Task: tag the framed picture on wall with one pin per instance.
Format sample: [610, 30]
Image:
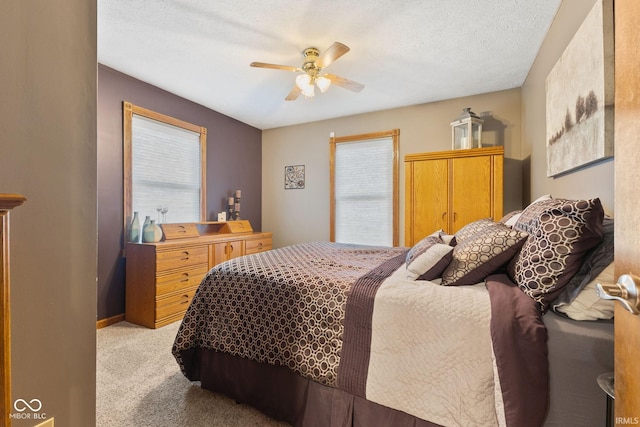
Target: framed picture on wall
[579, 96]
[294, 177]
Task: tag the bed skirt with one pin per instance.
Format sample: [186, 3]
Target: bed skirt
[286, 396]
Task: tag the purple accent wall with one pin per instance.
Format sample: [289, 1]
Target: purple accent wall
[234, 161]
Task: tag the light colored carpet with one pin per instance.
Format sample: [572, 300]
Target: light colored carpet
[139, 384]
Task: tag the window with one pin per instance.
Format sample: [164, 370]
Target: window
[364, 189]
[164, 167]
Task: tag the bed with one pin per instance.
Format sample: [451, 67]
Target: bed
[448, 332]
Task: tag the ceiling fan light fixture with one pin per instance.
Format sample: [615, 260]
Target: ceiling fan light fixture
[303, 81]
[308, 91]
[323, 83]
[314, 63]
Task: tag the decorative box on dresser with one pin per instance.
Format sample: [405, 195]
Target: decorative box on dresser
[448, 189]
[162, 277]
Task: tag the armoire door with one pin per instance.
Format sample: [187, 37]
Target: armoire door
[428, 192]
[471, 190]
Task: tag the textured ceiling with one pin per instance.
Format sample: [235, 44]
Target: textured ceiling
[405, 52]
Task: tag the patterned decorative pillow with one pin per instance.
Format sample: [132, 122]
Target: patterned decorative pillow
[428, 258]
[561, 232]
[471, 229]
[528, 219]
[482, 254]
[512, 217]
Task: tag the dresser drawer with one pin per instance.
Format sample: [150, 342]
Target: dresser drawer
[179, 280]
[162, 277]
[253, 246]
[169, 260]
[175, 304]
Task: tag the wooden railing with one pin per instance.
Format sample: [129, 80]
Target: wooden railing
[7, 202]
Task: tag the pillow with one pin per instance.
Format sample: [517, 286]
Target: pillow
[595, 261]
[428, 258]
[471, 229]
[449, 239]
[511, 218]
[482, 254]
[421, 247]
[561, 232]
[588, 305]
[540, 199]
[430, 263]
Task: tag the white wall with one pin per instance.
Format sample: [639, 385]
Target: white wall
[296, 216]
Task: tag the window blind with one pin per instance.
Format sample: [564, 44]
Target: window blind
[364, 192]
[165, 170]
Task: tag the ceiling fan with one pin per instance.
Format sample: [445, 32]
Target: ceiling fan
[314, 63]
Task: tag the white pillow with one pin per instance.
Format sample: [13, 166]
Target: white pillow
[430, 263]
[587, 305]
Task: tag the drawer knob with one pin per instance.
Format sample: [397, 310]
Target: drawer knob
[185, 299]
[185, 277]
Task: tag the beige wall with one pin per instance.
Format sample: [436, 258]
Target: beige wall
[296, 216]
[48, 154]
[589, 182]
[303, 215]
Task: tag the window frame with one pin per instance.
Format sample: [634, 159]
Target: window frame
[333, 141]
[129, 110]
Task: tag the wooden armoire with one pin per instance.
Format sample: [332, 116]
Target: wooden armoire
[448, 189]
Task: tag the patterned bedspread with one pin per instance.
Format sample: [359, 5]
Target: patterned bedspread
[347, 317]
[283, 307]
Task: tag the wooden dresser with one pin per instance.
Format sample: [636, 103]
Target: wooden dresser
[448, 189]
[162, 277]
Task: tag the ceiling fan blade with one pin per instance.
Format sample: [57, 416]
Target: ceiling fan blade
[275, 66]
[345, 83]
[293, 95]
[333, 52]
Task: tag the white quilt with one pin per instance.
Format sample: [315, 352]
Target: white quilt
[446, 332]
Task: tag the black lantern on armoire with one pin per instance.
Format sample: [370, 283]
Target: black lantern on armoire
[466, 130]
